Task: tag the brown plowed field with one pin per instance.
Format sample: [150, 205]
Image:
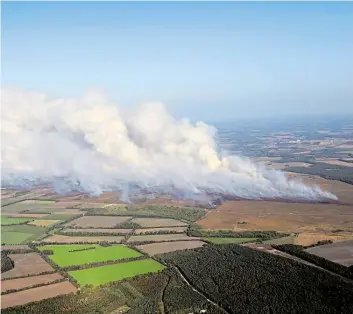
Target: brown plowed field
[96, 230]
[15, 247]
[161, 238]
[165, 247]
[168, 229]
[20, 283]
[287, 217]
[97, 221]
[37, 294]
[158, 222]
[27, 264]
[69, 239]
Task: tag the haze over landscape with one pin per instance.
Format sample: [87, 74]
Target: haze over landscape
[176, 157]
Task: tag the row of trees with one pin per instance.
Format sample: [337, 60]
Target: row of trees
[262, 235]
[243, 280]
[298, 251]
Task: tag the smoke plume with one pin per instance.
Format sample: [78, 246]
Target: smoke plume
[90, 145]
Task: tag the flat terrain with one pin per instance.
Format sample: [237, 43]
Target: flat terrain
[20, 283]
[27, 264]
[27, 215]
[230, 240]
[340, 252]
[43, 222]
[158, 222]
[97, 221]
[15, 247]
[20, 234]
[97, 230]
[63, 255]
[5, 220]
[165, 247]
[161, 238]
[37, 294]
[69, 239]
[165, 229]
[286, 217]
[100, 275]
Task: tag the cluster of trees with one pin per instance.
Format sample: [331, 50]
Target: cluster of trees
[128, 225]
[161, 232]
[97, 264]
[339, 173]
[322, 242]
[85, 249]
[243, 280]
[261, 235]
[152, 211]
[298, 251]
[163, 292]
[6, 262]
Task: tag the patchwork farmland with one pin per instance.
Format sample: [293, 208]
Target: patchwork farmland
[27, 264]
[71, 255]
[97, 222]
[166, 247]
[100, 275]
[57, 238]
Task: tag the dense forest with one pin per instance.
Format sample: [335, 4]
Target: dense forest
[242, 280]
[326, 171]
[298, 251]
[6, 262]
[164, 292]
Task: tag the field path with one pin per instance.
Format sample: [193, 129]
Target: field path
[199, 292]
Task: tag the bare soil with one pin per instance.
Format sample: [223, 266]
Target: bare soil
[96, 230]
[340, 252]
[69, 239]
[161, 238]
[27, 264]
[37, 294]
[165, 247]
[20, 283]
[158, 222]
[287, 217]
[98, 221]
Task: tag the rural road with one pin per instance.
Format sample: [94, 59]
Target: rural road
[197, 291]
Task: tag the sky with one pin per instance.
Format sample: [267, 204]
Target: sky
[204, 60]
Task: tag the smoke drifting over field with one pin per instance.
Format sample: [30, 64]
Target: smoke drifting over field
[91, 145]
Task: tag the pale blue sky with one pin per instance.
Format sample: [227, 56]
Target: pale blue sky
[204, 60]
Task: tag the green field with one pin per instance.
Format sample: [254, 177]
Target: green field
[14, 237]
[230, 240]
[161, 211]
[59, 216]
[45, 202]
[64, 258]
[20, 234]
[5, 220]
[100, 275]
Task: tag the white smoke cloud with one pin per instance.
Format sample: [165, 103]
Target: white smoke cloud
[91, 145]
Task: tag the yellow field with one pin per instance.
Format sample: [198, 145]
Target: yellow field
[43, 222]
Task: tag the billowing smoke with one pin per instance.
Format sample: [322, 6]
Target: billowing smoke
[91, 145]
